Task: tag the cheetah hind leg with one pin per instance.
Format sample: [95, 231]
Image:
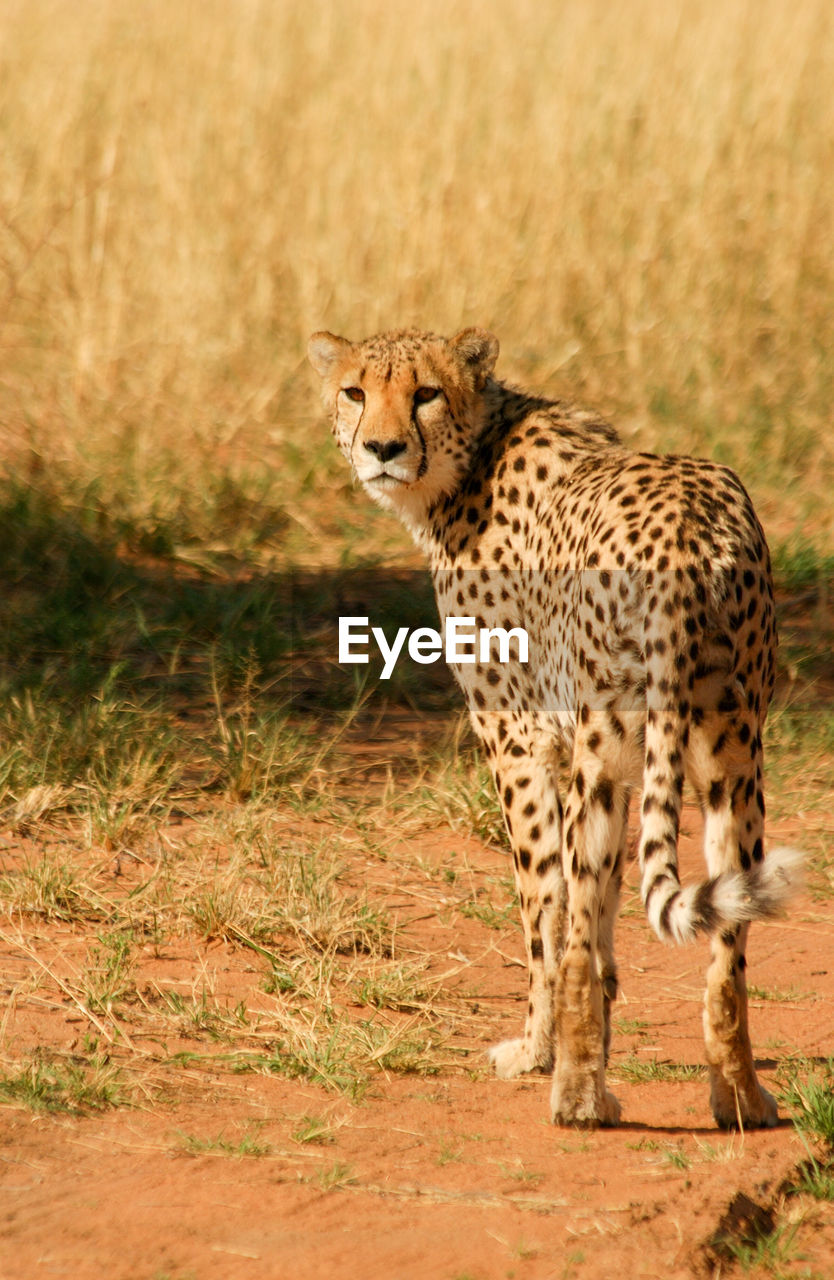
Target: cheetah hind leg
[578, 1095]
[733, 835]
[737, 1099]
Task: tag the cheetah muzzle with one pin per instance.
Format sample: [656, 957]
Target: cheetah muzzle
[644, 585]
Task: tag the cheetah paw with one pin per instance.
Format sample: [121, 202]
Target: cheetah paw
[512, 1058]
[757, 1108]
[584, 1112]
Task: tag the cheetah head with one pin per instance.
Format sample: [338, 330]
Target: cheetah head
[406, 410]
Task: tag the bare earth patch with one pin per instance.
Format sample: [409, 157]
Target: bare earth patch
[212, 1172]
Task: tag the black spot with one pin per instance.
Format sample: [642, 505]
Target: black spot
[728, 702]
[616, 725]
[603, 793]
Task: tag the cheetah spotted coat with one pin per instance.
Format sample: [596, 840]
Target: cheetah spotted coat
[644, 586]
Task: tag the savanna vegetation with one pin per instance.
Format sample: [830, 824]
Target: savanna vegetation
[638, 199]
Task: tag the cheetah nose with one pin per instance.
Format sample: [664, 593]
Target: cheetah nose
[385, 450]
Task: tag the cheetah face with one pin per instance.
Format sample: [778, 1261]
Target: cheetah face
[406, 409]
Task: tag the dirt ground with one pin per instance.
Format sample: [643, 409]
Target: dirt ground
[452, 1175]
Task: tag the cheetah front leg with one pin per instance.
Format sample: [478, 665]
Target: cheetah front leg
[593, 851]
[610, 905]
[526, 782]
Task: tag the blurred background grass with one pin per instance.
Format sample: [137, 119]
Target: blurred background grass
[637, 197]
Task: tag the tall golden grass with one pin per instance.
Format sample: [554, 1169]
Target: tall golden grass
[638, 197]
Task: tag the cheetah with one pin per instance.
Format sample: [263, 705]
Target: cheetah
[644, 585]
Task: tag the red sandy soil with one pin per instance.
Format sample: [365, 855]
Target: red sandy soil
[450, 1176]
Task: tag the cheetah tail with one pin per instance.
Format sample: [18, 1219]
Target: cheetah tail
[732, 898]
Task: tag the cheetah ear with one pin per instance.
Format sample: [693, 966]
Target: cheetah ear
[324, 350]
[479, 350]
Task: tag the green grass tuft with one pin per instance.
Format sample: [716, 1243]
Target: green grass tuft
[811, 1102]
[63, 1085]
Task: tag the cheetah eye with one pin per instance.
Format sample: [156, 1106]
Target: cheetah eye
[354, 393]
[424, 394]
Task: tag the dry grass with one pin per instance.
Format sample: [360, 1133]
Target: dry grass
[319, 990]
[640, 201]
